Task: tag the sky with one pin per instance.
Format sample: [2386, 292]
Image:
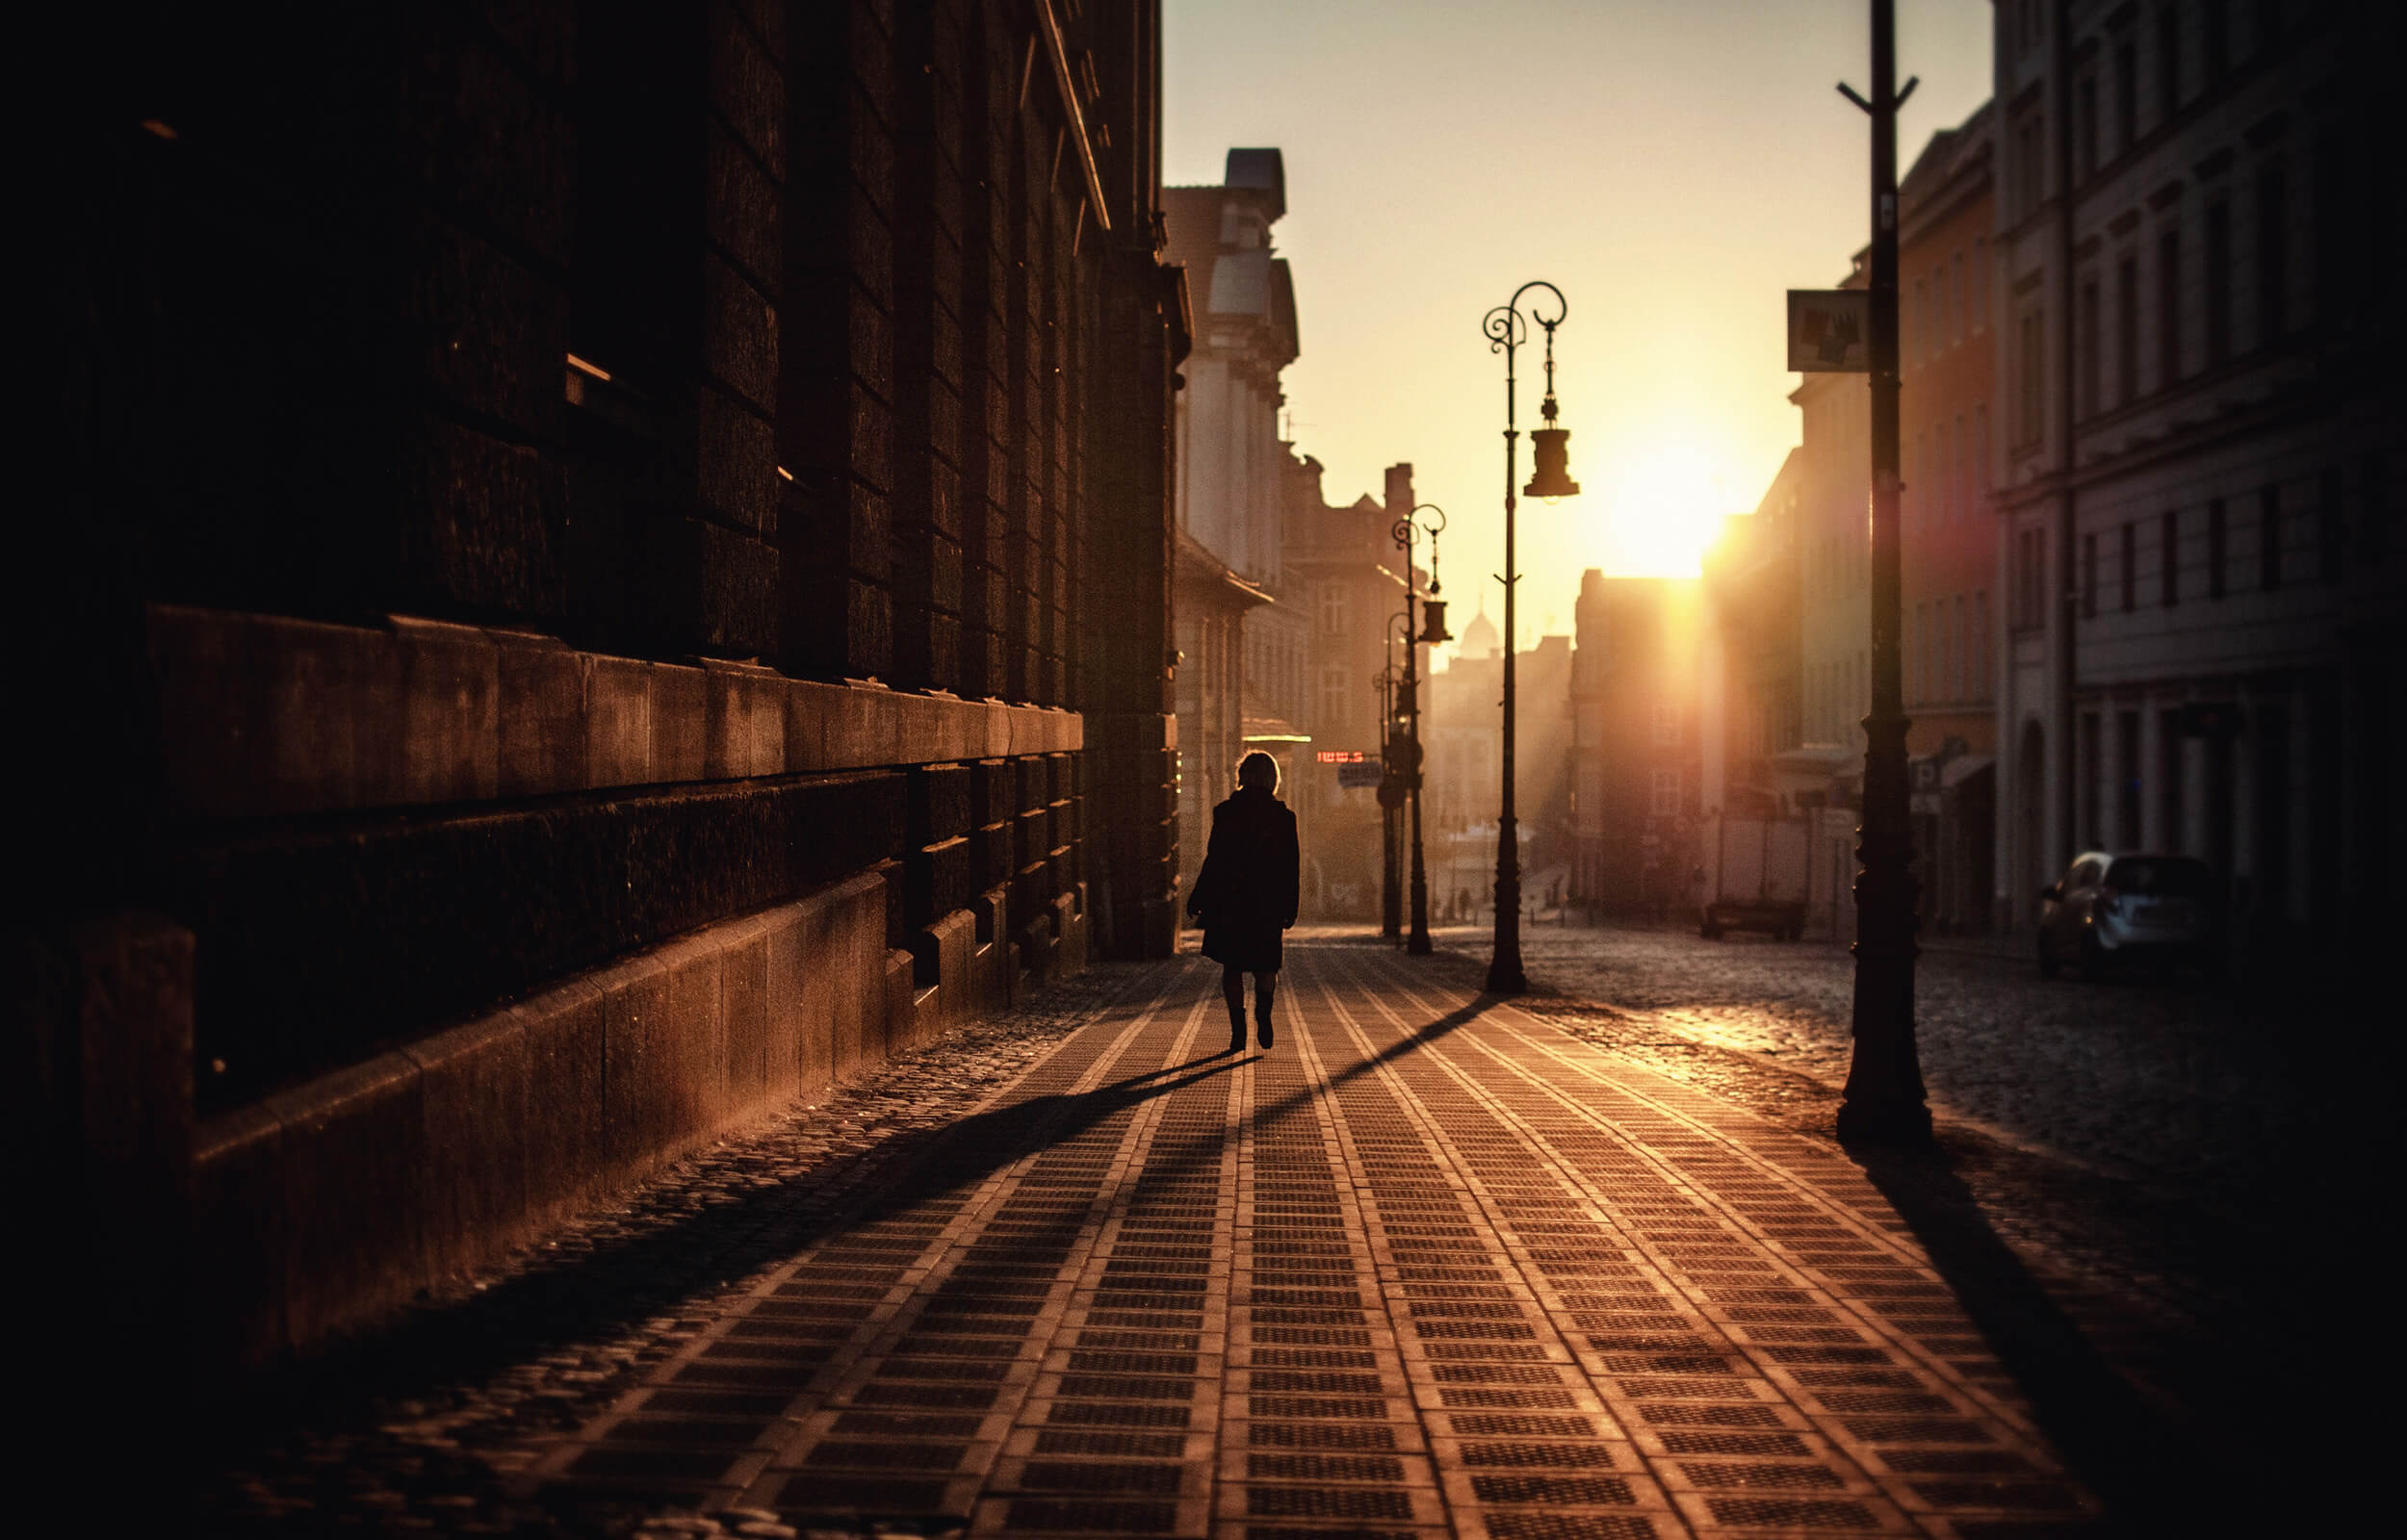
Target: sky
[1672, 166]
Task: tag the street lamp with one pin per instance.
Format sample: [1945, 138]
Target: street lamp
[1506, 327]
[1390, 904]
[1407, 532]
[1884, 1099]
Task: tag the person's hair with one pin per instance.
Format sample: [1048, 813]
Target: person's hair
[1258, 769]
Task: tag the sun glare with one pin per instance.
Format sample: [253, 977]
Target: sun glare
[1665, 510]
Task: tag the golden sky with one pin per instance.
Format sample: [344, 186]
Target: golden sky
[1672, 166]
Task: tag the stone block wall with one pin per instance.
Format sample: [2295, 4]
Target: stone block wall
[609, 550]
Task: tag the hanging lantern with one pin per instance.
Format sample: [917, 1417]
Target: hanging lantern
[1552, 476]
[1434, 622]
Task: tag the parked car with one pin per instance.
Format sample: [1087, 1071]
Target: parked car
[2109, 910]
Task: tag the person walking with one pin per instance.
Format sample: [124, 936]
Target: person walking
[1247, 892]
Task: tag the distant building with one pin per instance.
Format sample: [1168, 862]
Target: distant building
[1211, 604]
[1636, 758]
[1230, 489]
[2201, 566]
[1463, 739]
[1822, 771]
[1752, 704]
[1345, 574]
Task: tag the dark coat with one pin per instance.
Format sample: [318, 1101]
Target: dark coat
[1246, 894]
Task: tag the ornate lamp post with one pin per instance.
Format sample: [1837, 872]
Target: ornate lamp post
[1407, 532]
[1884, 1099]
[1390, 901]
[1506, 327]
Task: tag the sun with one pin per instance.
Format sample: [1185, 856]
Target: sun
[1666, 509]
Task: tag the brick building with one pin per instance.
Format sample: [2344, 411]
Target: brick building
[614, 565]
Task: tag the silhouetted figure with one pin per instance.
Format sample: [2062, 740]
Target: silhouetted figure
[1246, 894]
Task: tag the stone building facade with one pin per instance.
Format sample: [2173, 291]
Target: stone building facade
[1346, 575]
[2199, 453]
[1231, 484]
[1637, 750]
[1947, 536]
[616, 566]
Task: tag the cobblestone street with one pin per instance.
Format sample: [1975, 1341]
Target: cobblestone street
[1433, 1264]
[2165, 1077]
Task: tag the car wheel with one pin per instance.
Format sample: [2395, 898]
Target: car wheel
[2049, 967]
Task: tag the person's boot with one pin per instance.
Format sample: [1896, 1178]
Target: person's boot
[1261, 1030]
[1236, 1029]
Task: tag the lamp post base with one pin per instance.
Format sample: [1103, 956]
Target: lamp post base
[1504, 967]
[1896, 1124]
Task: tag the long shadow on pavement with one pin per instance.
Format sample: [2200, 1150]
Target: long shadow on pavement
[616, 1285]
[2154, 1476]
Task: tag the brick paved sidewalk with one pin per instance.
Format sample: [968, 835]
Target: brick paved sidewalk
[1428, 1266]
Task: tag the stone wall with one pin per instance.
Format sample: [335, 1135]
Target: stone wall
[607, 552]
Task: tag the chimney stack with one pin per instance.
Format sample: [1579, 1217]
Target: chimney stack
[1400, 490]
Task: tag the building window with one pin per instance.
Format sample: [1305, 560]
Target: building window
[2168, 61]
[2217, 548]
[2218, 284]
[1664, 794]
[2030, 578]
[1335, 699]
[2130, 568]
[1920, 345]
[1665, 724]
[2269, 538]
[2169, 309]
[2169, 558]
[1981, 278]
[2169, 832]
[2125, 93]
[2085, 124]
[2090, 576]
[1940, 334]
[2127, 329]
[2272, 252]
[2092, 773]
[2032, 393]
[2127, 780]
[1333, 610]
[2028, 150]
[2091, 396]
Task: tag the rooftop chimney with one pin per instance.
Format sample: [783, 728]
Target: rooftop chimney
[1399, 490]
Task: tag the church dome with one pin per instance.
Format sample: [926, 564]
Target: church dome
[1478, 639]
